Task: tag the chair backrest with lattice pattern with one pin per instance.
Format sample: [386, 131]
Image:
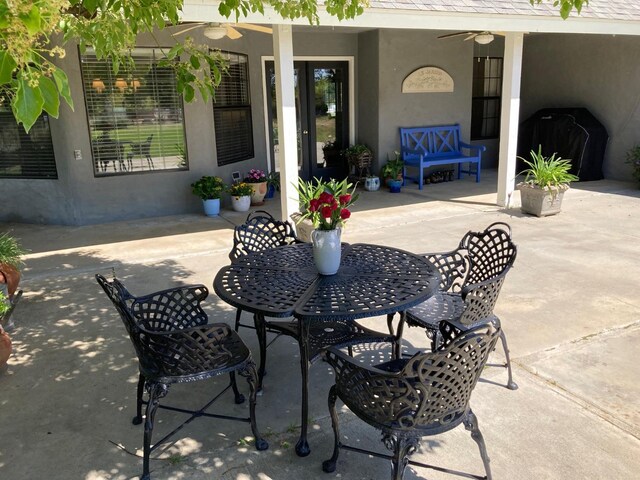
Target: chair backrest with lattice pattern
[491, 252]
[260, 232]
[430, 394]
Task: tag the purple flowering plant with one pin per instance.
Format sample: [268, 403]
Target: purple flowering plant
[255, 176]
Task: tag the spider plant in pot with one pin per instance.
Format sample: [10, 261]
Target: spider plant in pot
[545, 182]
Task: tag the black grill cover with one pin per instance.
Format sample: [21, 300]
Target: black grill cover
[574, 133]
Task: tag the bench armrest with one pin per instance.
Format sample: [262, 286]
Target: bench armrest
[479, 148]
[412, 151]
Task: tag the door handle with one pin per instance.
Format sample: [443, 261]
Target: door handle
[305, 132]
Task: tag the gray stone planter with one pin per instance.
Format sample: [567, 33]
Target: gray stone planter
[541, 201]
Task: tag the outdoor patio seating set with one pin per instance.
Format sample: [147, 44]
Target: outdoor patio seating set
[272, 275]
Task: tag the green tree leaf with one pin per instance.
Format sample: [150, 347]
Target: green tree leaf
[7, 65]
[26, 104]
[62, 82]
[31, 20]
[50, 96]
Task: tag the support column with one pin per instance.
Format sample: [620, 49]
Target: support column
[286, 111]
[509, 116]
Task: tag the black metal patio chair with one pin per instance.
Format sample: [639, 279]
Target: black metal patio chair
[410, 398]
[261, 231]
[175, 344]
[471, 278]
[142, 150]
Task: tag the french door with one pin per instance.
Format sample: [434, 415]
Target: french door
[322, 117]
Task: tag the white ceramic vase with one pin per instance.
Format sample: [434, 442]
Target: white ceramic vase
[326, 250]
[241, 204]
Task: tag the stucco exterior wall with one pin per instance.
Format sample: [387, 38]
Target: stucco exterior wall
[367, 90]
[594, 71]
[402, 52]
[77, 197]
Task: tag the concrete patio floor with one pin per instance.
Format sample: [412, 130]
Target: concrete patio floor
[570, 309]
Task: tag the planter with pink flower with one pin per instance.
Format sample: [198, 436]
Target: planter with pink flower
[258, 181]
[326, 204]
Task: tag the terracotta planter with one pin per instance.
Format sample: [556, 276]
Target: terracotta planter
[541, 202]
[259, 191]
[11, 278]
[5, 349]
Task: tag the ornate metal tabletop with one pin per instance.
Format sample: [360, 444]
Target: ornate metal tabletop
[283, 282]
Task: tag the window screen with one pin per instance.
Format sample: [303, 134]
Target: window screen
[487, 90]
[232, 112]
[136, 118]
[25, 155]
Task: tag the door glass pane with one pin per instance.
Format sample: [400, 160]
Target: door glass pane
[328, 115]
[274, 117]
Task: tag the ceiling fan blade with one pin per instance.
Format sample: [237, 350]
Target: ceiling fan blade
[232, 33]
[188, 29]
[457, 34]
[471, 37]
[255, 28]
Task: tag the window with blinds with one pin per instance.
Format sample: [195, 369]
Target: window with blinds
[25, 155]
[136, 117]
[487, 91]
[232, 112]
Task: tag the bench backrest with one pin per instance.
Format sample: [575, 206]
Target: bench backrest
[437, 141]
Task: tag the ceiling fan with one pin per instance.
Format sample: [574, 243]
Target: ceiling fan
[216, 31]
[481, 37]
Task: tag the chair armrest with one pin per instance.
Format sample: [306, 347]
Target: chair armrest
[172, 309]
[453, 268]
[480, 148]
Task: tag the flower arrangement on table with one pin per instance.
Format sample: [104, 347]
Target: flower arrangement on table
[326, 204]
[255, 176]
[240, 189]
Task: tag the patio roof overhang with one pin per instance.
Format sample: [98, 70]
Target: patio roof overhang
[544, 21]
[614, 18]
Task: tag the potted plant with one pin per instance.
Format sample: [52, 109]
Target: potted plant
[258, 181]
[545, 182]
[241, 196]
[209, 189]
[273, 184]
[326, 204]
[359, 158]
[392, 173]
[10, 263]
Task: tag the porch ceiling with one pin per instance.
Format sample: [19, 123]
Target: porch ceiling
[610, 17]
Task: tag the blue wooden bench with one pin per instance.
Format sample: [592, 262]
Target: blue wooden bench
[424, 147]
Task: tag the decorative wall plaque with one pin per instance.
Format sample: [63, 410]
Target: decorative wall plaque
[427, 80]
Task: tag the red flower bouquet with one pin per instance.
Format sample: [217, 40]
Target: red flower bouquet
[326, 204]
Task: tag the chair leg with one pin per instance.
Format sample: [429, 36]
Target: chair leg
[156, 392]
[329, 466]
[397, 347]
[238, 397]
[471, 424]
[137, 420]
[252, 379]
[511, 385]
[261, 330]
[402, 447]
[390, 323]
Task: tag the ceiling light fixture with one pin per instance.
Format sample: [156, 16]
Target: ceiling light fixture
[215, 32]
[483, 38]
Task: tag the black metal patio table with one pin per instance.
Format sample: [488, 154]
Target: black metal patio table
[372, 280]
